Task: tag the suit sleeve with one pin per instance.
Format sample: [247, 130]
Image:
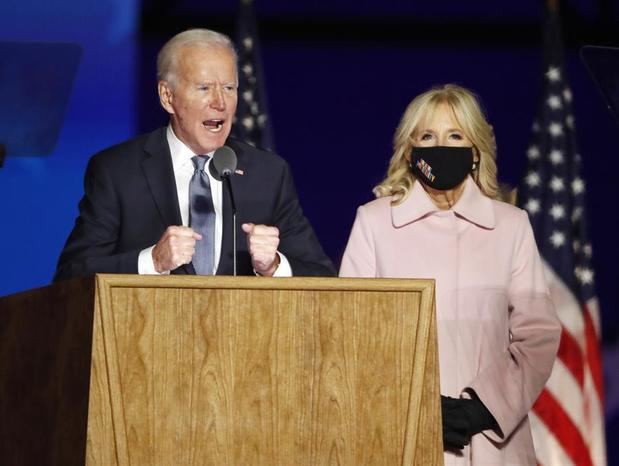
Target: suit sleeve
[359, 258]
[91, 246]
[298, 242]
[510, 385]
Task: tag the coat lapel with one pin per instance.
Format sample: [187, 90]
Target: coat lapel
[159, 173]
[157, 166]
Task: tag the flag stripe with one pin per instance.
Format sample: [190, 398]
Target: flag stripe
[553, 193]
[547, 449]
[594, 312]
[594, 428]
[566, 303]
[594, 358]
[571, 355]
[563, 387]
[552, 414]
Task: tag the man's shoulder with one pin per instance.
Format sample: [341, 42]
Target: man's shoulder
[131, 150]
[255, 156]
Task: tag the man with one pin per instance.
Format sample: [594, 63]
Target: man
[152, 206]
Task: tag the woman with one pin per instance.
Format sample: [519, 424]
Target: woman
[438, 215]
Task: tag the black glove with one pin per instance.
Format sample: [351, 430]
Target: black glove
[454, 428]
[463, 418]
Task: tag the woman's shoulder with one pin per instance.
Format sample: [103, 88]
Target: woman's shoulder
[509, 213]
[376, 206]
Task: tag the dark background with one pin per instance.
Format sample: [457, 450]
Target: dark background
[338, 76]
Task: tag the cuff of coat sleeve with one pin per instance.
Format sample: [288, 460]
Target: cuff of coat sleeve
[495, 435]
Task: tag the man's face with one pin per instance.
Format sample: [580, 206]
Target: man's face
[202, 97]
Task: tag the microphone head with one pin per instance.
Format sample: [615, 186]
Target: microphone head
[224, 160]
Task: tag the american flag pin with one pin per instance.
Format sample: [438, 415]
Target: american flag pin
[239, 171]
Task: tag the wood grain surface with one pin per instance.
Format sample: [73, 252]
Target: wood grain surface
[251, 371]
[134, 370]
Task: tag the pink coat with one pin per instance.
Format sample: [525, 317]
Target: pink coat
[498, 332]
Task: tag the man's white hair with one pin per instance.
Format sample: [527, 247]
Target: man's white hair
[168, 55]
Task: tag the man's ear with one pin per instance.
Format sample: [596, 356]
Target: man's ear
[166, 96]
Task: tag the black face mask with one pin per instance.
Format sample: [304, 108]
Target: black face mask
[442, 167]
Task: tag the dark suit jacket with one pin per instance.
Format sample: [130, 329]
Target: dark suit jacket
[130, 199]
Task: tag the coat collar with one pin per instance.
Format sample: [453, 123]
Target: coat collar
[472, 206]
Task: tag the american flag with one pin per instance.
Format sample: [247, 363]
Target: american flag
[251, 123]
[568, 418]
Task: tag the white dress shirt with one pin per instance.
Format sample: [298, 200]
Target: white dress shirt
[183, 171]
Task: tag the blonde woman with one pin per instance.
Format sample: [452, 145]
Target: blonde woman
[438, 215]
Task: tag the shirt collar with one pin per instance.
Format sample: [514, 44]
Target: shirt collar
[472, 206]
[181, 154]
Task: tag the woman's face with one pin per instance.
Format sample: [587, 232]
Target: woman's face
[441, 129]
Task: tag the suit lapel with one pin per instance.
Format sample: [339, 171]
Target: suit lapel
[157, 166]
[159, 173]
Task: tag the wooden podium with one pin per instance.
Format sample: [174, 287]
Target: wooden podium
[135, 370]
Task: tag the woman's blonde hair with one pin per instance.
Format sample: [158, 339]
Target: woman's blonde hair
[468, 114]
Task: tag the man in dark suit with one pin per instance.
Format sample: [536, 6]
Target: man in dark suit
[140, 210]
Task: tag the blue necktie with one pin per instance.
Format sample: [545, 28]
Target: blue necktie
[202, 217]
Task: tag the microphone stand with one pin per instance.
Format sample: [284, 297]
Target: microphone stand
[226, 177]
[224, 164]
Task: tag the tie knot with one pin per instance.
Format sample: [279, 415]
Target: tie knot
[199, 161]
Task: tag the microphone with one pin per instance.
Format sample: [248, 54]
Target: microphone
[224, 160]
[224, 164]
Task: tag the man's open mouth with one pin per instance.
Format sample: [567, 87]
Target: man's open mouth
[214, 126]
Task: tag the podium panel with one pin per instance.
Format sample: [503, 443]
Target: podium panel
[256, 371]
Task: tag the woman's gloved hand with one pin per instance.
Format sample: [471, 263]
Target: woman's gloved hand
[463, 418]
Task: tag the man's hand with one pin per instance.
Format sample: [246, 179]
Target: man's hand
[175, 248]
[262, 242]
